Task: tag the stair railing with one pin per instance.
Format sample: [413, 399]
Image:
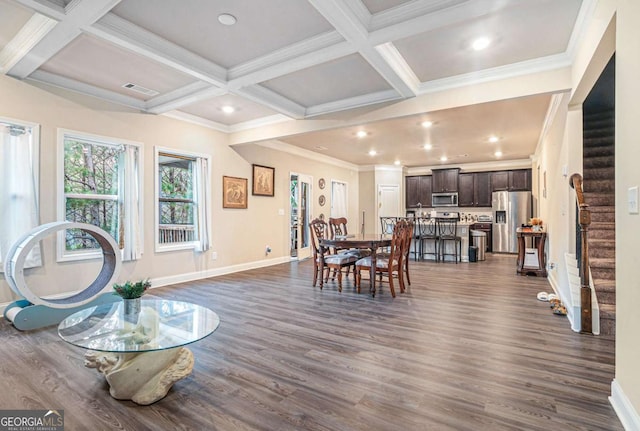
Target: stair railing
[583, 221]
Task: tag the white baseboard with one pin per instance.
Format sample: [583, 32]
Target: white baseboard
[626, 413]
[191, 276]
[199, 275]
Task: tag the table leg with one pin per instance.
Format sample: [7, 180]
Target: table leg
[145, 377]
[372, 273]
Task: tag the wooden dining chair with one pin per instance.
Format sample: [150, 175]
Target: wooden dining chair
[388, 265]
[335, 261]
[338, 227]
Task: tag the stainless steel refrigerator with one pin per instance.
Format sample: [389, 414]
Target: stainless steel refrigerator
[510, 211]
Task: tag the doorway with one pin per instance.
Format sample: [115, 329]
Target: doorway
[300, 215]
[388, 203]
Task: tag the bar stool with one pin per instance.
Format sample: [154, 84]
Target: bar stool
[428, 231]
[447, 231]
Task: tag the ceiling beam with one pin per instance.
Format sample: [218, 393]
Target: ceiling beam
[78, 15]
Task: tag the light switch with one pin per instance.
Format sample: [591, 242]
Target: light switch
[632, 200]
[281, 211]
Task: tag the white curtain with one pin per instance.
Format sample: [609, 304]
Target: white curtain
[131, 231]
[203, 200]
[18, 188]
[338, 199]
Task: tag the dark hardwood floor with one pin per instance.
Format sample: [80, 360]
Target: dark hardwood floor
[467, 347]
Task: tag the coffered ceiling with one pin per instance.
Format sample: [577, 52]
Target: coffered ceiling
[299, 60]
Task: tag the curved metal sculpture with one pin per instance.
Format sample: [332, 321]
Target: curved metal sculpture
[14, 273]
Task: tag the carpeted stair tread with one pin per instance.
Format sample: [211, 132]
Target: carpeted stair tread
[601, 132]
[603, 285]
[608, 172]
[599, 142]
[598, 186]
[604, 150]
[598, 215]
[597, 199]
[602, 262]
[598, 162]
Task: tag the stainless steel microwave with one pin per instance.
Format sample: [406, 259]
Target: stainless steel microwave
[444, 200]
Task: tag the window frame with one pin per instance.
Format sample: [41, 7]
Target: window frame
[62, 254]
[188, 245]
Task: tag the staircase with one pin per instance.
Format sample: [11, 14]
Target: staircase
[599, 193]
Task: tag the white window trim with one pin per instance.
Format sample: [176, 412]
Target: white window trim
[159, 247]
[35, 161]
[62, 254]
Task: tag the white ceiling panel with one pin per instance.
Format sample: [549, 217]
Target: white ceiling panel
[12, 17]
[379, 64]
[516, 34]
[261, 28]
[461, 134]
[343, 78]
[93, 61]
[244, 110]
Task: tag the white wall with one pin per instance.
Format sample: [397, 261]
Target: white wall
[239, 236]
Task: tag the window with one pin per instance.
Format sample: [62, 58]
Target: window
[183, 200]
[338, 199]
[19, 167]
[101, 186]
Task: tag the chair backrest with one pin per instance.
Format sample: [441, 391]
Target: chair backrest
[387, 224]
[338, 226]
[447, 227]
[427, 227]
[318, 231]
[410, 230]
[402, 232]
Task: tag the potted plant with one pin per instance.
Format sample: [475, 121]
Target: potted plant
[131, 292]
[536, 224]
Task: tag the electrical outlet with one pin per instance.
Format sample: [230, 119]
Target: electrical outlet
[214, 255]
[632, 200]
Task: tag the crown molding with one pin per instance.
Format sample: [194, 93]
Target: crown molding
[273, 100]
[473, 167]
[527, 67]
[86, 89]
[259, 122]
[580, 27]
[301, 152]
[410, 10]
[353, 102]
[199, 121]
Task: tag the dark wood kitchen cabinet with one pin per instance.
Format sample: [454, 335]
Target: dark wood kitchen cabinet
[445, 180]
[519, 180]
[482, 189]
[466, 196]
[499, 181]
[515, 180]
[474, 189]
[418, 191]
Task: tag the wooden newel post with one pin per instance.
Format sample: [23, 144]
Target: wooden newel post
[584, 219]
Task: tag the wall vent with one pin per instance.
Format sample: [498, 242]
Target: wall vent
[140, 89]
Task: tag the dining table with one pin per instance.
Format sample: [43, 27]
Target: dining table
[361, 241]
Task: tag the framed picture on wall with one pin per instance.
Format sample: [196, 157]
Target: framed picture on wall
[234, 192]
[263, 180]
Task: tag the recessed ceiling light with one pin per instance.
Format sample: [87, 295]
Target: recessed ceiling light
[498, 154]
[397, 163]
[443, 159]
[427, 124]
[227, 19]
[228, 109]
[480, 43]
[493, 139]
[427, 147]
[361, 134]
[373, 152]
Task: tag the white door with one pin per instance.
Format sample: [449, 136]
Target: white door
[300, 203]
[388, 203]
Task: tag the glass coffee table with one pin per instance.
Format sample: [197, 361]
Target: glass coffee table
[140, 352]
